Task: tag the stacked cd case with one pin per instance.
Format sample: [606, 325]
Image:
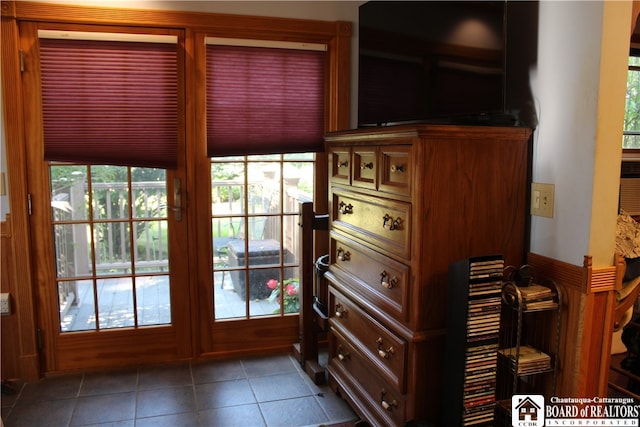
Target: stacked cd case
[473, 328]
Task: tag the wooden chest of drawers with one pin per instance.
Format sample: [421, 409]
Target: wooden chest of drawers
[405, 202]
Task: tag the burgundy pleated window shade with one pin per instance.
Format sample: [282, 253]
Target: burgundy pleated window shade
[110, 102]
[264, 100]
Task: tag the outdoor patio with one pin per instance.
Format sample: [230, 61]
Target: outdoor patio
[265, 227]
[115, 305]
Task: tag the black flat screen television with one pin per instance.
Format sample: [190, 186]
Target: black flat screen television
[432, 61]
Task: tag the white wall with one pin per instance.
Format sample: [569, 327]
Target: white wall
[574, 133]
[565, 87]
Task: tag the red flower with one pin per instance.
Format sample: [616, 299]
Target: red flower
[291, 290]
[272, 283]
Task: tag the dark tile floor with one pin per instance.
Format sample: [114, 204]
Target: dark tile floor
[269, 391]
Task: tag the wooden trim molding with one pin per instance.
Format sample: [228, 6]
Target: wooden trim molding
[18, 359]
[584, 278]
[20, 248]
[227, 25]
[589, 297]
[10, 368]
[606, 278]
[635, 15]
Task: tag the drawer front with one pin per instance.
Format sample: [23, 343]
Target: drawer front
[396, 169]
[383, 349]
[381, 222]
[378, 279]
[355, 373]
[340, 165]
[365, 167]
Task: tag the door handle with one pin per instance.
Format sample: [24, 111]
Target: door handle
[177, 199]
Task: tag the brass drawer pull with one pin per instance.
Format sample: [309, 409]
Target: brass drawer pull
[388, 406]
[364, 165]
[385, 354]
[390, 223]
[343, 355]
[345, 208]
[386, 281]
[343, 255]
[341, 312]
[397, 168]
[342, 164]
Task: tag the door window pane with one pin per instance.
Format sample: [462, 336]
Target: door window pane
[149, 197]
[151, 246]
[255, 255]
[115, 303]
[119, 247]
[227, 188]
[264, 188]
[74, 251]
[261, 283]
[77, 305]
[68, 193]
[110, 192]
[153, 300]
[112, 247]
[286, 293]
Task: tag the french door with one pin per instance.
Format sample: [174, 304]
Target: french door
[256, 268]
[133, 264]
[114, 295]
[110, 244]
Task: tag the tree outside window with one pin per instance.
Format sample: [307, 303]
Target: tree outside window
[631, 135]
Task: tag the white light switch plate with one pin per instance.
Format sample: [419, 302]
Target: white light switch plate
[542, 199]
[5, 305]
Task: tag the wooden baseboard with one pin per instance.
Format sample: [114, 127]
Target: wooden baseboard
[587, 321]
[29, 367]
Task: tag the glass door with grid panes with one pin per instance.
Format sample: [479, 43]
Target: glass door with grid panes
[110, 228]
[117, 290]
[255, 233]
[110, 241]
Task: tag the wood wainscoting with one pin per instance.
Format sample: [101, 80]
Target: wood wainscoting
[10, 368]
[589, 297]
[19, 355]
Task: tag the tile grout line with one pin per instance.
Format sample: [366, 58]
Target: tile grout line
[136, 390]
[195, 395]
[75, 399]
[246, 377]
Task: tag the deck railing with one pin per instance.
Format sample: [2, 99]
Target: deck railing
[148, 208]
[110, 227]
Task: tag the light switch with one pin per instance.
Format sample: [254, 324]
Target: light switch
[542, 199]
[5, 304]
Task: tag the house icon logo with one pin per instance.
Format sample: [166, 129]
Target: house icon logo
[527, 410]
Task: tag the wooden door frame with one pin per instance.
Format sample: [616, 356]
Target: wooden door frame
[25, 336]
